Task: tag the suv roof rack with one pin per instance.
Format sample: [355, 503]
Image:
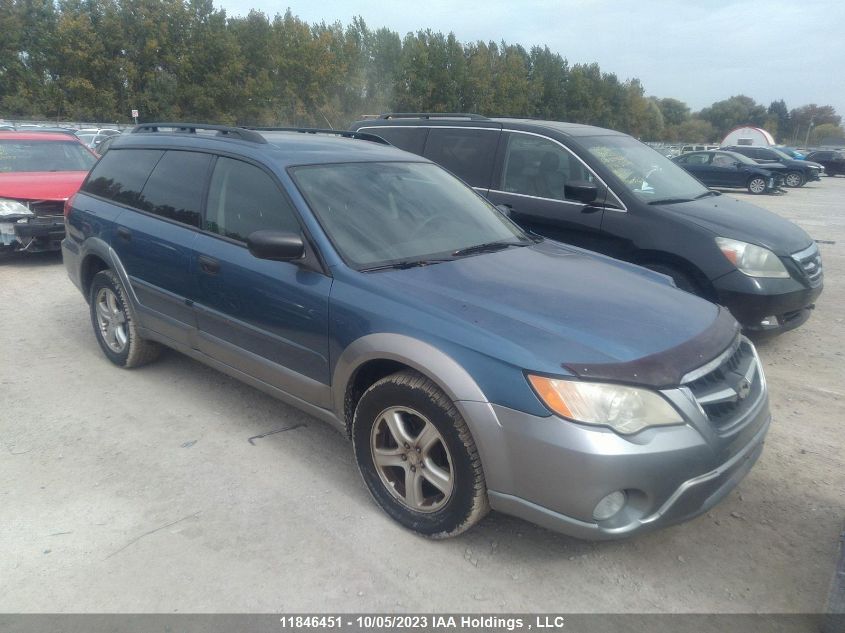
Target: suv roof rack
[363, 136]
[433, 115]
[240, 133]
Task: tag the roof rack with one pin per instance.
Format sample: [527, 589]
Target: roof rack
[363, 136]
[240, 133]
[433, 115]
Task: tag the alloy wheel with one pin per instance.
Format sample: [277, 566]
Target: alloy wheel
[111, 320]
[757, 185]
[793, 179]
[412, 459]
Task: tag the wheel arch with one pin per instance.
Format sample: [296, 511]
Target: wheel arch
[646, 257]
[374, 356]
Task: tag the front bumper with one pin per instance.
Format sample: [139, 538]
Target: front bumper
[554, 472]
[752, 300]
[40, 233]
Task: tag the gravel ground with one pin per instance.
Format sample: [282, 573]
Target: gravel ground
[138, 491]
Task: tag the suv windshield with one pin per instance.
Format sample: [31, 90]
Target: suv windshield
[18, 155]
[645, 172]
[382, 214]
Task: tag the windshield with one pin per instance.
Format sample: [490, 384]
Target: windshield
[18, 155]
[645, 172]
[780, 153]
[385, 213]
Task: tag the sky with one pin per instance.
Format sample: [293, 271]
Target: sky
[698, 51]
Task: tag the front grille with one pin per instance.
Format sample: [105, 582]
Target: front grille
[47, 207]
[810, 261]
[731, 387]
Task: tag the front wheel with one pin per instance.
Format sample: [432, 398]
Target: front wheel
[682, 280]
[757, 185]
[417, 456]
[794, 179]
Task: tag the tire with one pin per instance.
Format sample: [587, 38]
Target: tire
[434, 445]
[682, 280]
[756, 185]
[794, 179]
[114, 324]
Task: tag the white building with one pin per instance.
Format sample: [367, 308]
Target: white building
[748, 136]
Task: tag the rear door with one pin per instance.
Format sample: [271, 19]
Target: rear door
[153, 239]
[531, 183]
[265, 318]
[469, 153]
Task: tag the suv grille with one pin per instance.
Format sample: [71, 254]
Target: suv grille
[810, 262]
[731, 387]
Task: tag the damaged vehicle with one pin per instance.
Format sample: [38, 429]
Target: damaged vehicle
[473, 365]
[39, 171]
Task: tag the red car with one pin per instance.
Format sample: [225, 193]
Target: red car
[38, 172]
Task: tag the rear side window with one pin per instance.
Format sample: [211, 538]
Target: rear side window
[175, 188]
[468, 154]
[411, 139]
[120, 175]
[243, 199]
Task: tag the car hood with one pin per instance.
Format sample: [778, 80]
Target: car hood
[548, 306]
[728, 217]
[41, 185]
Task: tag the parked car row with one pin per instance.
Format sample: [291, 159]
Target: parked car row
[528, 340]
[472, 362]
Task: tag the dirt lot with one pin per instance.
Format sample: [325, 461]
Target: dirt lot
[139, 491]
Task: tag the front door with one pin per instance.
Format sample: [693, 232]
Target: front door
[265, 318]
[534, 173]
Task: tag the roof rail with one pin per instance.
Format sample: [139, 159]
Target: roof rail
[240, 133]
[363, 136]
[433, 115]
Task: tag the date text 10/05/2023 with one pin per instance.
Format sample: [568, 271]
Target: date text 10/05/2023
[431, 622]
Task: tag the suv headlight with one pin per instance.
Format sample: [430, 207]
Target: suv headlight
[750, 259]
[626, 410]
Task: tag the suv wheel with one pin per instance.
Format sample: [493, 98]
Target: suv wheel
[794, 179]
[417, 456]
[757, 185]
[114, 323]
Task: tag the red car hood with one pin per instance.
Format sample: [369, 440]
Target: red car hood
[41, 185]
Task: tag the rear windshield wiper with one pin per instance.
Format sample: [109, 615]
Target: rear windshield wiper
[489, 247]
[411, 263]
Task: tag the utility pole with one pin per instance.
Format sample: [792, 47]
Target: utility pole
[809, 129]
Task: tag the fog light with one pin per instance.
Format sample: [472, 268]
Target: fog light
[769, 321]
[609, 506]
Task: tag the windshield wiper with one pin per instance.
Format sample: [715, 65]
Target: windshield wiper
[402, 265]
[488, 247]
[670, 201]
[707, 194]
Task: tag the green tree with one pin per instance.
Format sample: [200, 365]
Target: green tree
[733, 112]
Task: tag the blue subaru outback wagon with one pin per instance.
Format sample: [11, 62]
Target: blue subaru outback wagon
[473, 365]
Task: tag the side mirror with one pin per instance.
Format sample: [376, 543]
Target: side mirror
[280, 246]
[585, 192]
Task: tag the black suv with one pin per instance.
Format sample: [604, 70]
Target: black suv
[832, 160]
[606, 191]
[800, 171]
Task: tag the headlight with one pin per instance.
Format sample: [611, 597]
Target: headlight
[754, 261]
[13, 208]
[626, 410]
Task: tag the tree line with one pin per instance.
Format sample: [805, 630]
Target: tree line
[96, 60]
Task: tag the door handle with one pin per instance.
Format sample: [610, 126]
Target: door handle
[124, 234]
[209, 265]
